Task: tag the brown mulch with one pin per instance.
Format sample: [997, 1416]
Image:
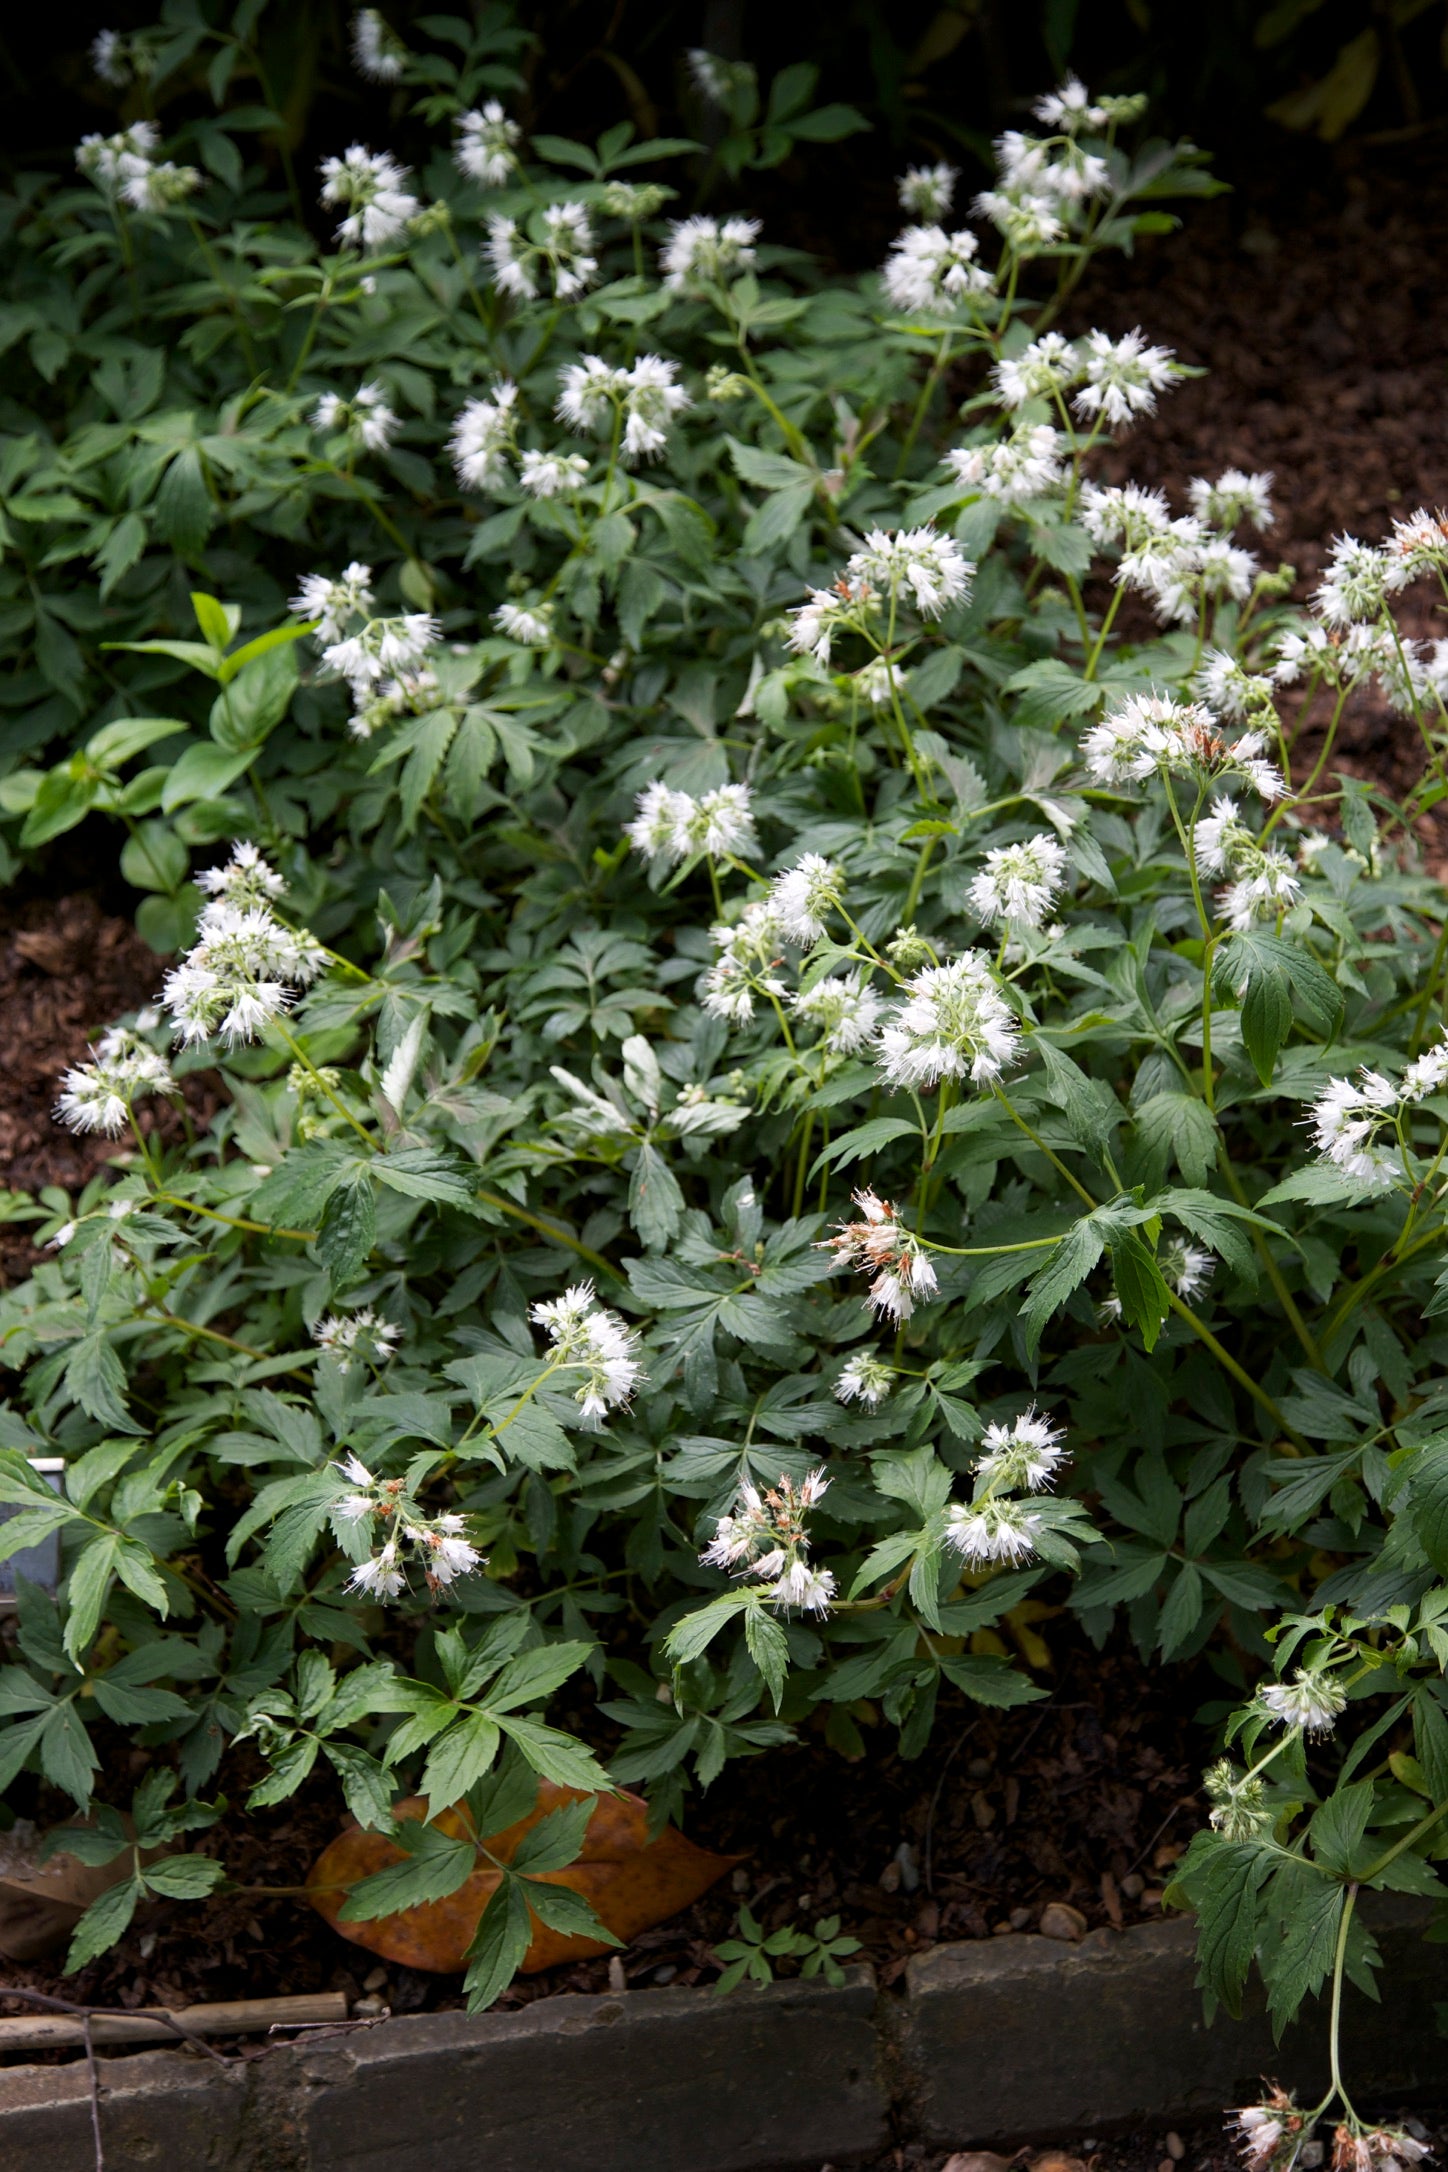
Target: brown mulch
[1311, 297]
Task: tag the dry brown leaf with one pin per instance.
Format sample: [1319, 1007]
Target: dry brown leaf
[630, 1881]
[41, 1903]
[975, 2160]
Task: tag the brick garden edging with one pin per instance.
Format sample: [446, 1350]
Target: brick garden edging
[1004, 2040]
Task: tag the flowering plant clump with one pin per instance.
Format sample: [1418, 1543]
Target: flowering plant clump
[640, 764]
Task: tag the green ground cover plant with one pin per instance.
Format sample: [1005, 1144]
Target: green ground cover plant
[787, 1074]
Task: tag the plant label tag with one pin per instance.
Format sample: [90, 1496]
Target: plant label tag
[38, 1564]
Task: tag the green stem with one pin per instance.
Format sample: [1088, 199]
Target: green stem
[551, 1231]
[285, 1034]
[235, 1221]
[1039, 1143]
[1334, 2026]
[1229, 1364]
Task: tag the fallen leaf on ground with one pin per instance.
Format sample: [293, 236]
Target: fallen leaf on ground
[41, 1903]
[1059, 1920]
[630, 1881]
[976, 2160]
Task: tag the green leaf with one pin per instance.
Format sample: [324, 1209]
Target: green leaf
[554, 1755]
[184, 1877]
[434, 1865]
[203, 771]
[502, 1939]
[1140, 1286]
[90, 1580]
[557, 1839]
[864, 1139]
[349, 1230]
[991, 1681]
[458, 1759]
[768, 1647]
[103, 1924]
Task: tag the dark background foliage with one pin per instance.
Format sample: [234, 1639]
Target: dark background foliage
[1302, 85]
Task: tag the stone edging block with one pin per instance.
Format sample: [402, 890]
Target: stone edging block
[1003, 2040]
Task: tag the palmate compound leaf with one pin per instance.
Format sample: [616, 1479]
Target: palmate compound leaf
[630, 1881]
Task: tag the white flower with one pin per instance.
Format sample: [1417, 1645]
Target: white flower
[366, 417]
[244, 969]
[1124, 512]
[879, 1244]
[927, 192]
[1311, 1701]
[592, 392]
[356, 1334]
[160, 187]
[1123, 376]
[112, 162]
[381, 648]
[749, 952]
[553, 474]
[804, 896]
[246, 879]
[111, 58]
[377, 51]
[1048, 365]
[1354, 588]
[1069, 108]
[334, 603]
[372, 188]
[846, 1014]
[817, 621]
[930, 273]
[1023, 1456]
[1233, 498]
[586, 1337]
[764, 1536]
[953, 1023]
[1266, 884]
[1346, 1119]
[1148, 735]
[671, 825]
[1019, 882]
[925, 568]
[1015, 469]
[1416, 546]
[992, 1531]
[530, 625]
[1427, 1074]
[1187, 1267]
[717, 79]
[865, 1379]
[484, 432]
[809, 1589]
[445, 1554]
[486, 145]
[660, 824]
[563, 255]
[703, 251]
[381, 1577]
[98, 1096]
[1227, 688]
[1026, 219]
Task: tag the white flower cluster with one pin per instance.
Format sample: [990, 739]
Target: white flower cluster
[486, 147]
[879, 1244]
[1019, 883]
[865, 1379]
[1375, 2149]
[1349, 1117]
[764, 1537]
[556, 250]
[529, 624]
[245, 966]
[996, 1528]
[804, 896]
[371, 188]
[437, 1542]
[927, 192]
[383, 660]
[717, 79]
[931, 273]
[586, 1337]
[1115, 379]
[915, 566]
[99, 1095]
[1309, 1703]
[1271, 2135]
[125, 168]
[377, 51]
[952, 1022]
[484, 434]
[845, 1013]
[671, 826]
[1262, 885]
[365, 419]
[1013, 470]
[1179, 564]
[707, 252]
[347, 1336]
[750, 952]
[119, 58]
[1146, 735]
[593, 394]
